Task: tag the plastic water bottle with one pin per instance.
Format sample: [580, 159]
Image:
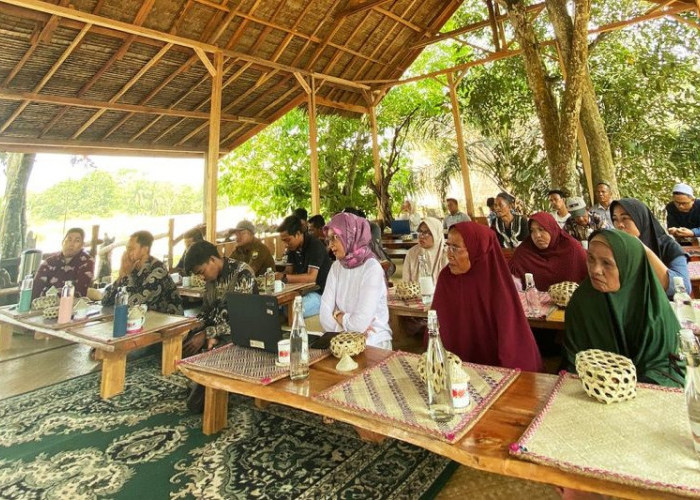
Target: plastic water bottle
[65, 305]
[298, 345]
[425, 280]
[532, 297]
[121, 312]
[25, 294]
[684, 305]
[690, 350]
[269, 281]
[440, 405]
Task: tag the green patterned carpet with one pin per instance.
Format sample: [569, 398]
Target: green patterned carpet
[63, 441]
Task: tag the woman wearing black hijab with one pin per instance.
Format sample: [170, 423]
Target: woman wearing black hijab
[665, 255]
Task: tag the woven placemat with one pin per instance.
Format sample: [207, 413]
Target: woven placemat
[644, 442]
[547, 305]
[247, 364]
[694, 270]
[393, 392]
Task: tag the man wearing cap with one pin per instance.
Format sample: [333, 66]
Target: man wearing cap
[454, 215]
[250, 249]
[603, 197]
[557, 200]
[582, 222]
[683, 214]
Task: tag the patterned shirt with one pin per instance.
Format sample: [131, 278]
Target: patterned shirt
[235, 276]
[513, 235]
[151, 285]
[582, 233]
[256, 255]
[55, 271]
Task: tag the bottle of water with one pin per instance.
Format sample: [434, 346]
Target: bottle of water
[166, 258]
[438, 374]
[269, 281]
[690, 350]
[532, 297]
[65, 305]
[25, 294]
[683, 305]
[427, 287]
[121, 312]
[298, 344]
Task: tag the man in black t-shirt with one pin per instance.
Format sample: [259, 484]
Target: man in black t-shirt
[307, 261]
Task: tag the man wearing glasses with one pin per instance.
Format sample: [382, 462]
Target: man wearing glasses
[683, 214]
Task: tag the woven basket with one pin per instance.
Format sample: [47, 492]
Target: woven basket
[41, 303]
[456, 374]
[607, 377]
[350, 343]
[561, 292]
[196, 281]
[50, 312]
[407, 290]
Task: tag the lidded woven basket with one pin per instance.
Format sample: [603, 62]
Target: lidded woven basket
[407, 290]
[41, 303]
[607, 377]
[455, 363]
[196, 281]
[561, 292]
[350, 343]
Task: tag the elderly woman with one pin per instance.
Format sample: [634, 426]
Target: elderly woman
[511, 228]
[430, 244]
[481, 317]
[622, 308]
[355, 295]
[550, 254]
[665, 255]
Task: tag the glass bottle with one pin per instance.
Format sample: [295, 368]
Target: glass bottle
[65, 304]
[683, 305]
[269, 280]
[298, 344]
[121, 312]
[166, 265]
[25, 294]
[532, 297]
[690, 350]
[438, 374]
[425, 280]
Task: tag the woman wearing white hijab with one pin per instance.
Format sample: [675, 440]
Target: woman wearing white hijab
[431, 244]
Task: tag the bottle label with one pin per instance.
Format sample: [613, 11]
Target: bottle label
[460, 394]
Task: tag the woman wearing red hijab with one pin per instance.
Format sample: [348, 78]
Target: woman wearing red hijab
[481, 318]
[550, 254]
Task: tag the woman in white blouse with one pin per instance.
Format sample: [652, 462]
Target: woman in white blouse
[355, 295]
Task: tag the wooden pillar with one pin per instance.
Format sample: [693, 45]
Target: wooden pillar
[313, 144]
[375, 158]
[697, 6]
[93, 242]
[171, 237]
[212, 158]
[461, 151]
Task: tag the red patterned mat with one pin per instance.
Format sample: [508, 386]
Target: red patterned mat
[547, 305]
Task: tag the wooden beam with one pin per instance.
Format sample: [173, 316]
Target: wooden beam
[375, 158]
[313, 144]
[212, 158]
[23, 144]
[401, 20]
[213, 5]
[356, 6]
[304, 84]
[494, 26]
[461, 149]
[329, 103]
[205, 60]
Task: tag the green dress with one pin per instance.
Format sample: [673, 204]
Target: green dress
[637, 321]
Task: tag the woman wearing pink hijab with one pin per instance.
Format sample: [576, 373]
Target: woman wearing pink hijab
[480, 315]
[354, 298]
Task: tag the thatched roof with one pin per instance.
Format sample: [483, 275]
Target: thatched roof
[124, 75]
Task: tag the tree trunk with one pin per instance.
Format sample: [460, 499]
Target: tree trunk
[602, 165]
[13, 226]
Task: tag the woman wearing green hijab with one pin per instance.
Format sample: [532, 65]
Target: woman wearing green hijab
[622, 308]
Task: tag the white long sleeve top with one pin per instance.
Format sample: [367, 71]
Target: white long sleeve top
[361, 294]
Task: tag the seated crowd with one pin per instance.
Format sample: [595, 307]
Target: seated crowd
[623, 259]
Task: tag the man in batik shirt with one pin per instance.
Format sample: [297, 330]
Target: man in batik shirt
[146, 278]
[72, 263]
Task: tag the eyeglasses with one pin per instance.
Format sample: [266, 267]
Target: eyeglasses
[449, 247]
[425, 233]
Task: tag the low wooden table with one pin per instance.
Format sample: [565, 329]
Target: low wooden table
[694, 272]
[158, 327]
[485, 446]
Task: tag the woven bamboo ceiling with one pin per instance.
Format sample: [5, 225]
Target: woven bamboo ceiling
[132, 76]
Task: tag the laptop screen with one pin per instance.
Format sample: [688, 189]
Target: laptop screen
[254, 320]
[400, 227]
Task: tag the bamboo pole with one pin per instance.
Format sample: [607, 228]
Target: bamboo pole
[375, 159]
[171, 237]
[93, 242]
[313, 143]
[461, 150]
[212, 158]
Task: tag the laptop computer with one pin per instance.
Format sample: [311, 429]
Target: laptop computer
[254, 320]
[400, 227]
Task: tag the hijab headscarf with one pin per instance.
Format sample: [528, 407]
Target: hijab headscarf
[356, 236]
[636, 321]
[480, 314]
[563, 260]
[436, 255]
[651, 232]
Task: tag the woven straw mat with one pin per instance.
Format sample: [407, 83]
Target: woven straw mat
[393, 392]
[244, 363]
[644, 442]
[547, 305]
